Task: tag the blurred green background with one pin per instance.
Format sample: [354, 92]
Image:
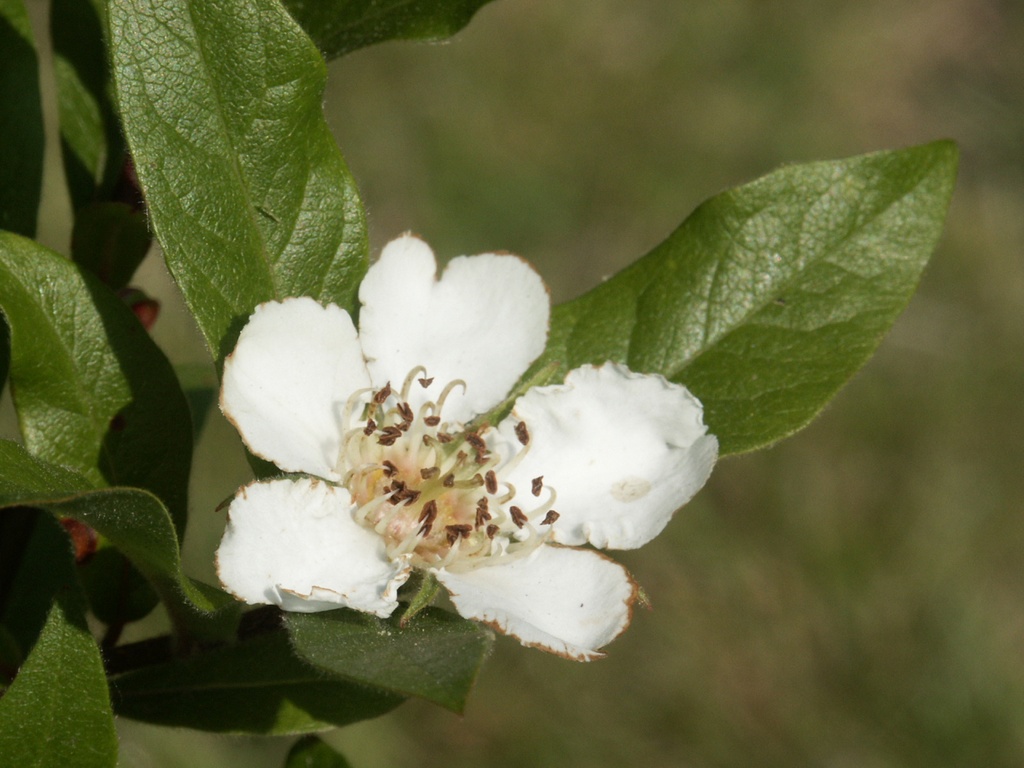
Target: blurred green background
[851, 597]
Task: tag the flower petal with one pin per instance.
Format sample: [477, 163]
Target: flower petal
[622, 450]
[566, 601]
[287, 382]
[294, 543]
[484, 322]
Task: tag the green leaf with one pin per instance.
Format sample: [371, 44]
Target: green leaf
[257, 686]
[437, 657]
[92, 390]
[311, 752]
[770, 296]
[39, 570]
[134, 521]
[21, 122]
[222, 106]
[341, 26]
[57, 711]
[110, 240]
[91, 143]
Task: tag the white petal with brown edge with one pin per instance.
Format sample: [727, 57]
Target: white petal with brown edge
[286, 384]
[294, 543]
[622, 450]
[484, 321]
[571, 602]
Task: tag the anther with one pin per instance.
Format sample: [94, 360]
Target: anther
[444, 437]
[492, 530]
[476, 441]
[456, 532]
[370, 426]
[426, 382]
[549, 518]
[405, 411]
[382, 394]
[429, 472]
[432, 421]
[537, 485]
[522, 433]
[518, 517]
[425, 529]
[482, 516]
[448, 481]
[482, 504]
[389, 435]
[491, 481]
[390, 470]
[428, 513]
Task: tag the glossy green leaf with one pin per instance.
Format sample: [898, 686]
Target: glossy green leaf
[91, 143]
[21, 122]
[311, 752]
[222, 106]
[57, 711]
[110, 240]
[38, 570]
[436, 657]
[770, 296]
[257, 686]
[341, 26]
[92, 390]
[134, 521]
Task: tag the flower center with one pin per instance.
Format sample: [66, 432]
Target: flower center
[433, 489]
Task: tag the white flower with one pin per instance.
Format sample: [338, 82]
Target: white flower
[398, 478]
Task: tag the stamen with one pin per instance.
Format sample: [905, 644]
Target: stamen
[432, 421]
[419, 370]
[429, 512]
[550, 517]
[443, 437]
[523, 433]
[370, 426]
[426, 382]
[448, 481]
[390, 470]
[537, 485]
[382, 394]
[491, 481]
[405, 411]
[482, 516]
[447, 391]
[456, 532]
[430, 472]
[492, 531]
[518, 517]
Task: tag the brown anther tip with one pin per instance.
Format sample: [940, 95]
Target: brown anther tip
[371, 425]
[432, 421]
[549, 518]
[481, 457]
[448, 481]
[492, 530]
[456, 532]
[537, 485]
[426, 382]
[444, 437]
[382, 394]
[476, 441]
[397, 485]
[518, 517]
[425, 529]
[429, 472]
[491, 481]
[522, 433]
[482, 516]
[405, 411]
[429, 512]
[482, 503]
[389, 468]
